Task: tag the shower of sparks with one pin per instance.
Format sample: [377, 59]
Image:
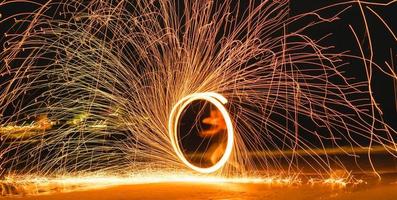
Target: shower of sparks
[89, 87]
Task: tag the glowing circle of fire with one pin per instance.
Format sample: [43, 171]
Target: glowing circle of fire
[218, 101]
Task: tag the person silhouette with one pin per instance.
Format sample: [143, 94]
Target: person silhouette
[217, 133]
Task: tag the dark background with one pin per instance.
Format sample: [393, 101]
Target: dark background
[384, 45]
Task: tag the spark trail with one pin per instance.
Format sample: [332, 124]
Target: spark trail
[91, 86]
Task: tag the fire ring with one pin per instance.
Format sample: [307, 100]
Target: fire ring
[173, 123]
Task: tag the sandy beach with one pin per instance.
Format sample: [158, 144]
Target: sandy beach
[225, 191]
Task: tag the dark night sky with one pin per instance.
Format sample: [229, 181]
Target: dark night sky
[342, 39]
[384, 46]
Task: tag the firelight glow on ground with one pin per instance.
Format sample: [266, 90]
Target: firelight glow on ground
[197, 187]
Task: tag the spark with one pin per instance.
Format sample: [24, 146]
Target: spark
[112, 79]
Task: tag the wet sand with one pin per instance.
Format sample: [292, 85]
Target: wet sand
[225, 191]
